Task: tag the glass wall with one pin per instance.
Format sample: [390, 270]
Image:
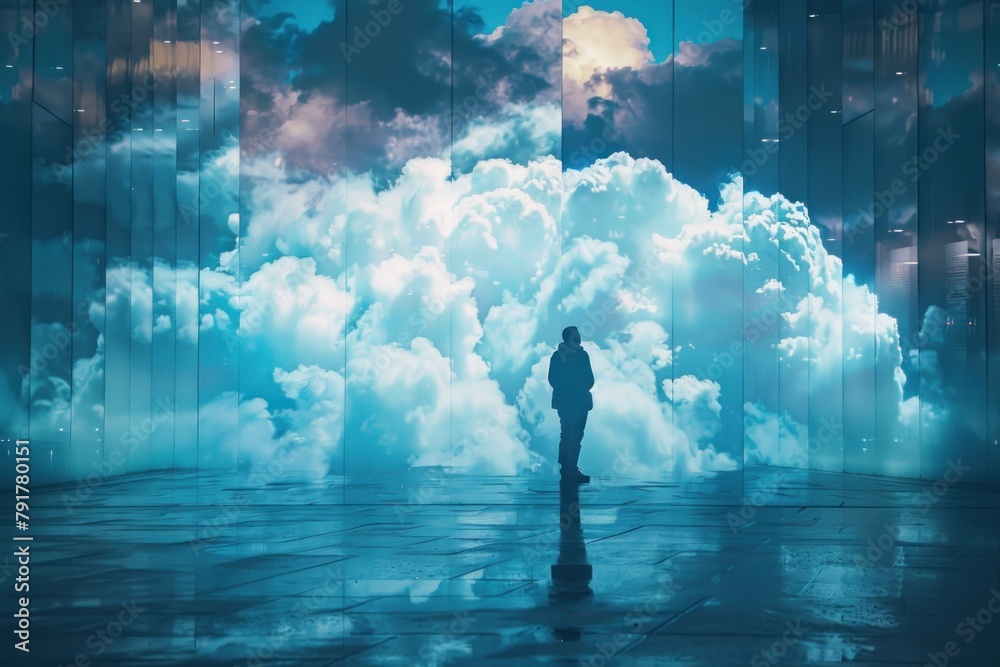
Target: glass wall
[344, 238]
[991, 267]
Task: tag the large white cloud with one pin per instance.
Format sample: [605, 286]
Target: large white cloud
[412, 325]
[454, 291]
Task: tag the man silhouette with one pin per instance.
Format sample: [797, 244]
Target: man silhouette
[571, 378]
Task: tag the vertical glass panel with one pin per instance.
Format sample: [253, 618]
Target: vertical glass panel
[992, 80]
[141, 224]
[951, 169]
[760, 171]
[708, 65]
[503, 250]
[89, 171]
[799, 102]
[52, 324]
[293, 300]
[706, 364]
[762, 298]
[403, 363]
[592, 131]
[117, 304]
[163, 66]
[15, 225]
[895, 220]
[218, 207]
[859, 35]
[826, 206]
[187, 59]
[53, 46]
[796, 105]
[596, 79]
[859, 323]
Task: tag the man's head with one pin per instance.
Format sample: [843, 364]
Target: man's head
[571, 336]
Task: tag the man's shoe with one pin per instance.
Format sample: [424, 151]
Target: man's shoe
[574, 477]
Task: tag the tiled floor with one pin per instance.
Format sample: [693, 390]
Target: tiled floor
[213, 569]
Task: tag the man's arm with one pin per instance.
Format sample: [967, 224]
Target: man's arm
[588, 378]
[553, 374]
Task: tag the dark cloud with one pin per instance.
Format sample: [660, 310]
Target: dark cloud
[402, 83]
[689, 117]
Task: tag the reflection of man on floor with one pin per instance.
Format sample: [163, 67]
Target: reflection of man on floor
[571, 378]
[572, 572]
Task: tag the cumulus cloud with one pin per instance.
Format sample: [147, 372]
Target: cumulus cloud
[596, 42]
[456, 289]
[412, 325]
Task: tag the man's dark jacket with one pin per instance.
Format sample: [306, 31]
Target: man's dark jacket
[571, 378]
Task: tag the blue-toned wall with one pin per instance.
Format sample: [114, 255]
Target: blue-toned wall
[306, 238]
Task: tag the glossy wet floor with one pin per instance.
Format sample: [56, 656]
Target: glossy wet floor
[770, 567]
